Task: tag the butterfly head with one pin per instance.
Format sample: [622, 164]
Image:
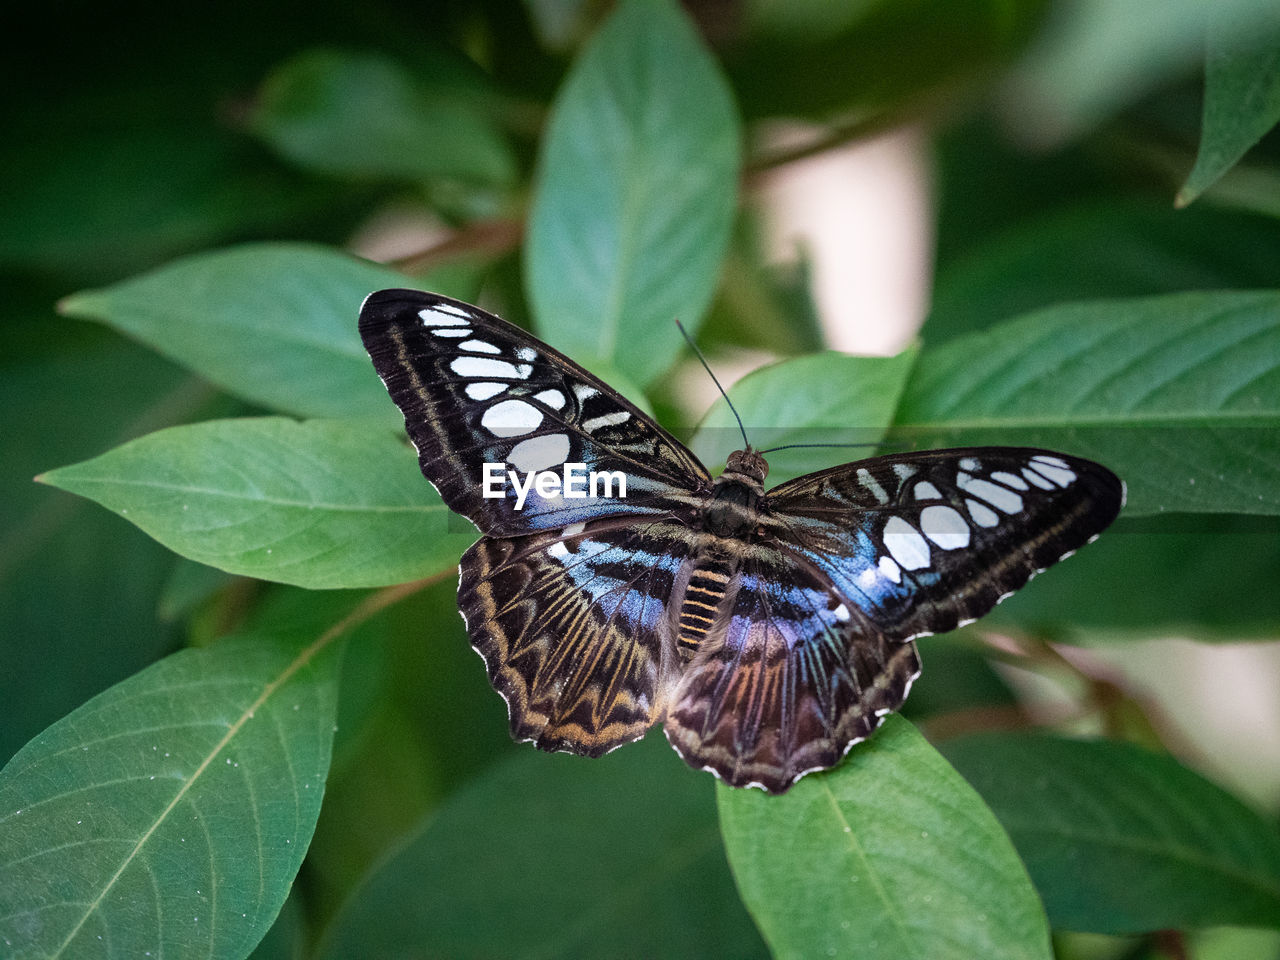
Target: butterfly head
[748, 463]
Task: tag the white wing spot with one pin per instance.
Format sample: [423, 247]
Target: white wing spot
[1059, 475]
[982, 515]
[1052, 461]
[890, 569]
[453, 331]
[528, 354]
[558, 550]
[552, 398]
[573, 529]
[906, 544]
[968, 463]
[945, 527]
[482, 367]
[1038, 480]
[1002, 498]
[479, 346]
[927, 491]
[511, 418]
[539, 453]
[904, 471]
[841, 613]
[584, 392]
[608, 420]
[867, 480]
[1010, 480]
[443, 315]
[484, 389]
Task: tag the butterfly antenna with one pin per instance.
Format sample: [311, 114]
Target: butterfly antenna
[792, 446]
[707, 367]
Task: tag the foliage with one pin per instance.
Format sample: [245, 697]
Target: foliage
[588, 169]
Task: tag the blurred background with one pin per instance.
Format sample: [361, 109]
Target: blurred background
[943, 164]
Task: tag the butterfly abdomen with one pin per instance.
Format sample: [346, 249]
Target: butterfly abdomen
[699, 608]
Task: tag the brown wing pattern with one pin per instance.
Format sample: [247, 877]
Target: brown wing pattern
[575, 630]
[787, 681]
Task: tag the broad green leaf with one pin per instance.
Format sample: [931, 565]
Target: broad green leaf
[274, 324]
[1232, 943]
[318, 504]
[1150, 249]
[890, 855]
[1241, 98]
[820, 398]
[1118, 839]
[554, 856]
[635, 195]
[1179, 395]
[68, 395]
[1212, 578]
[287, 938]
[168, 815]
[1099, 56]
[365, 116]
[416, 720]
[956, 675]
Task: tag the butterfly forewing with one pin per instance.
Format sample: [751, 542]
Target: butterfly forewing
[924, 542]
[475, 389]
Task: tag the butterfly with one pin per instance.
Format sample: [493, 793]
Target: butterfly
[768, 632]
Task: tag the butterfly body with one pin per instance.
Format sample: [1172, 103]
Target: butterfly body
[768, 631]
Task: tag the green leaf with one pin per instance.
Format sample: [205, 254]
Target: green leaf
[1179, 395]
[956, 676]
[48, 540]
[890, 855]
[1118, 839]
[1150, 249]
[1207, 577]
[635, 196]
[274, 324]
[169, 815]
[1232, 943]
[365, 116]
[820, 398]
[413, 691]
[554, 856]
[1241, 98]
[287, 938]
[1102, 56]
[319, 504]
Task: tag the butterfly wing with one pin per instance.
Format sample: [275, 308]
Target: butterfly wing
[787, 681]
[475, 389]
[575, 628]
[924, 542]
[811, 645]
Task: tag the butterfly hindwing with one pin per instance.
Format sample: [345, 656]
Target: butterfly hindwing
[924, 542]
[475, 389]
[788, 679]
[575, 628]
